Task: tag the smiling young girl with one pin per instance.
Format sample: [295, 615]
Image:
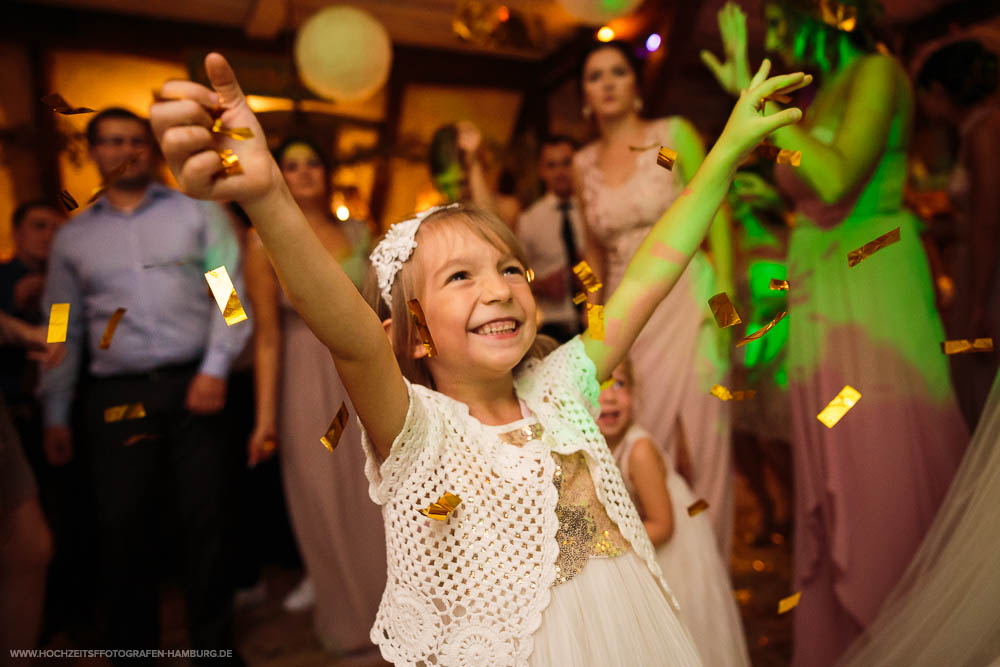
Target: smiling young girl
[510, 537]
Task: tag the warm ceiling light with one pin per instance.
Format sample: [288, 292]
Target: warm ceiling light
[343, 213]
[605, 34]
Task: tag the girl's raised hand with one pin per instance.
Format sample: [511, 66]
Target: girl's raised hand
[733, 74]
[182, 122]
[748, 123]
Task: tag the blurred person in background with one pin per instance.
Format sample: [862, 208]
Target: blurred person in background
[957, 84]
[457, 163]
[298, 392]
[25, 539]
[681, 352]
[551, 233]
[22, 280]
[872, 326]
[146, 248]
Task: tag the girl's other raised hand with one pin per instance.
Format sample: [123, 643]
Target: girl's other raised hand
[749, 123]
[182, 122]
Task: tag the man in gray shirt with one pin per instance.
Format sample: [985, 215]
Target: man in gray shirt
[145, 247]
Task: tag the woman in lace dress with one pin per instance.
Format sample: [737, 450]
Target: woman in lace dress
[298, 392]
[681, 353]
[868, 488]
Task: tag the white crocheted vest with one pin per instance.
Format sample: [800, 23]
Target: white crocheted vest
[471, 590]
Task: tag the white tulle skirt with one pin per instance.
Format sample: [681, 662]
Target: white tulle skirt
[612, 613]
[945, 610]
[699, 579]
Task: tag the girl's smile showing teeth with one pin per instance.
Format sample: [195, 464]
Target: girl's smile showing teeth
[498, 328]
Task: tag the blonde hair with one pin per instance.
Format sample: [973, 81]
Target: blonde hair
[404, 334]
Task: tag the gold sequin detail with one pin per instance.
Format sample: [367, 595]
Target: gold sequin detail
[585, 529]
[522, 436]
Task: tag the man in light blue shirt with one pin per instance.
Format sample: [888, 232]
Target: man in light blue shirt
[145, 247]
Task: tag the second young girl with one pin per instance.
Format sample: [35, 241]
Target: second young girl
[685, 545]
[510, 536]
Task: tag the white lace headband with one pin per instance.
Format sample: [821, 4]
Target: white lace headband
[395, 248]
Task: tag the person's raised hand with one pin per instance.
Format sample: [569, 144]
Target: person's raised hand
[733, 74]
[748, 125]
[182, 120]
[470, 139]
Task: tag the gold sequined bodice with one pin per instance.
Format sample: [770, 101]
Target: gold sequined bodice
[585, 530]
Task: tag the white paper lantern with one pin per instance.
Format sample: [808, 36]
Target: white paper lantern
[599, 12]
[343, 53]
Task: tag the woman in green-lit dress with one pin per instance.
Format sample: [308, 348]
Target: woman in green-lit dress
[868, 488]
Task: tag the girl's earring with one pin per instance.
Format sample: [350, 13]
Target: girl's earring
[637, 104]
[587, 112]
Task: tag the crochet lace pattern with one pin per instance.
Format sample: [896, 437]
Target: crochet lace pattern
[471, 590]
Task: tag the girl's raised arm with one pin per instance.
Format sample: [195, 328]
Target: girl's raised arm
[669, 246]
[314, 282]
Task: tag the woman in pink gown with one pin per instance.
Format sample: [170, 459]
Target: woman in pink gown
[868, 488]
[681, 352]
[338, 530]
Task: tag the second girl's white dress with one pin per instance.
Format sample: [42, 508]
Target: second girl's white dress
[694, 570]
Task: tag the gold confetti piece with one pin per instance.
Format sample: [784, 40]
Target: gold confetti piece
[779, 155]
[789, 603]
[595, 321]
[57, 103]
[58, 321]
[225, 295]
[337, 426]
[118, 172]
[607, 383]
[530, 275]
[855, 257]
[109, 330]
[760, 332]
[666, 158]
[67, 200]
[238, 133]
[590, 281]
[124, 412]
[838, 407]
[966, 346]
[230, 163]
[697, 507]
[725, 394]
[443, 508]
[417, 313]
[841, 17]
[724, 310]
[778, 285]
[579, 298]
